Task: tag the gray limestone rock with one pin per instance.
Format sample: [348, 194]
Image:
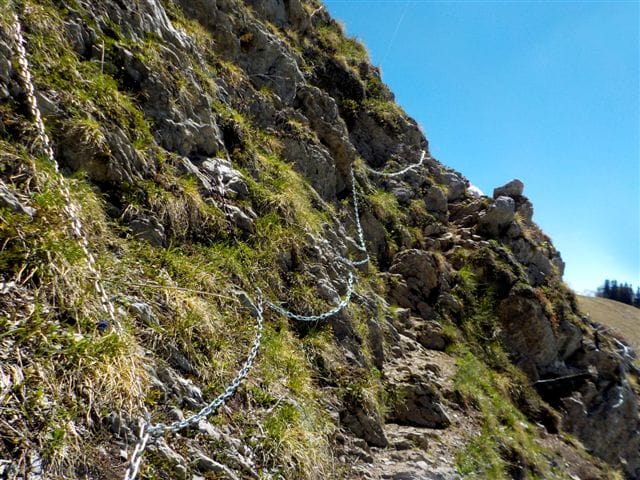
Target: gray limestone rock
[608, 424]
[500, 214]
[366, 425]
[283, 13]
[243, 219]
[81, 36]
[569, 338]
[398, 138]
[269, 63]
[455, 184]
[169, 381]
[205, 464]
[375, 235]
[121, 426]
[147, 17]
[527, 331]
[322, 112]
[47, 104]
[537, 263]
[420, 271]
[341, 82]
[171, 458]
[234, 183]
[431, 336]
[512, 189]
[187, 136]
[436, 200]
[416, 400]
[144, 313]
[315, 163]
[10, 201]
[525, 209]
[148, 228]
[105, 155]
[420, 406]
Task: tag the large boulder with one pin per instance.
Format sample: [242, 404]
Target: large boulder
[436, 201]
[455, 184]
[512, 189]
[525, 209]
[365, 424]
[527, 332]
[413, 280]
[416, 401]
[499, 215]
[322, 112]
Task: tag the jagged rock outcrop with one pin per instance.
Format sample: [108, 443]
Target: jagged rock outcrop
[528, 332]
[215, 141]
[512, 189]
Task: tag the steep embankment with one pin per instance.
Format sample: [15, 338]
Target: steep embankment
[623, 319]
[211, 154]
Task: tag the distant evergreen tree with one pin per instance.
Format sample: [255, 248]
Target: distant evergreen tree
[620, 292]
[626, 294]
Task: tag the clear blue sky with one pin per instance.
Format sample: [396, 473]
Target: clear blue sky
[547, 92]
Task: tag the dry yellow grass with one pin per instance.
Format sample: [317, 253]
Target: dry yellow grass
[621, 318]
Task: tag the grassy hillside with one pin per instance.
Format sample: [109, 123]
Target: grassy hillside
[622, 318]
[210, 157]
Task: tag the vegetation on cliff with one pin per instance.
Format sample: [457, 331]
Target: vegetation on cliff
[208, 147]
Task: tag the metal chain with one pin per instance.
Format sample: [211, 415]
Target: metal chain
[351, 263]
[361, 244]
[136, 455]
[356, 210]
[70, 208]
[323, 316]
[149, 432]
[398, 173]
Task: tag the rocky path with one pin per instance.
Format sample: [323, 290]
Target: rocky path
[424, 429]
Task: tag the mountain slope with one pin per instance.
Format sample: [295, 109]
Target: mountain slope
[622, 319]
[225, 170]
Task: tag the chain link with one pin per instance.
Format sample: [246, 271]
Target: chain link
[70, 208]
[351, 263]
[323, 316]
[400, 172]
[138, 451]
[149, 432]
[362, 246]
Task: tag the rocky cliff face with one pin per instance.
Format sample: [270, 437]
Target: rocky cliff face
[208, 145]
